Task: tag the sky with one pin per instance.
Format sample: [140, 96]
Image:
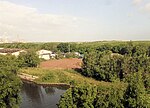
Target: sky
[75, 20]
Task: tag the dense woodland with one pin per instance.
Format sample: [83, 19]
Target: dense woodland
[128, 63]
[10, 84]
[121, 62]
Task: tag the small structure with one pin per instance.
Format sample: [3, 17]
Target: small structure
[53, 55]
[14, 52]
[79, 55]
[46, 54]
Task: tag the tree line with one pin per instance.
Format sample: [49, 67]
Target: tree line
[82, 47]
[127, 63]
[10, 84]
[90, 96]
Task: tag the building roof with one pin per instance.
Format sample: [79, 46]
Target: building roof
[8, 50]
[44, 52]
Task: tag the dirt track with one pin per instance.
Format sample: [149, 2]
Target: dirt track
[62, 64]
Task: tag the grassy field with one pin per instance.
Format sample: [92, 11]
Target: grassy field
[67, 76]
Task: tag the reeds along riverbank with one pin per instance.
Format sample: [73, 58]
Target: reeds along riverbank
[46, 84]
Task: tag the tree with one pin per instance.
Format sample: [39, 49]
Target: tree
[64, 47]
[71, 55]
[66, 100]
[28, 59]
[81, 96]
[89, 96]
[134, 64]
[9, 90]
[104, 47]
[135, 95]
[8, 63]
[104, 66]
[9, 82]
[89, 64]
[109, 97]
[49, 46]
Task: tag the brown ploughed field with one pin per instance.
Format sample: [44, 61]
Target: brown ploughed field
[73, 63]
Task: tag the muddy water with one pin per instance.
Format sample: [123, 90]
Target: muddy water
[35, 96]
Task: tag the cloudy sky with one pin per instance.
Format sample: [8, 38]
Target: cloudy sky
[75, 20]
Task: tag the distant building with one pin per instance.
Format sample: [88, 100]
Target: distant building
[79, 55]
[46, 54]
[14, 52]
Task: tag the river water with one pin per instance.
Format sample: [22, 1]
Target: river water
[35, 96]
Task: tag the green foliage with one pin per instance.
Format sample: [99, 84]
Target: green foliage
[48, 77]
[8, 63]
[104, 47]
[64, 47]
[88, 96]
[124, 48]
[89, 64]
[32, 46]
[9, 90]
[28, 59]
[71, 55]
[106, 61]
[60, 76]
[104, 66]
[136, 63]
[135, 95]
[109, 98]
[146, 79]
[59, 55]
[67, 100]
[81, 96]
[107, 66]
[9, 82]
[49, 46]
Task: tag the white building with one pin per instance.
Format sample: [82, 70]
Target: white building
[46, 54]
[14, 52]
[18, 52]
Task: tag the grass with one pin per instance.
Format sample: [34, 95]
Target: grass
[65, 76]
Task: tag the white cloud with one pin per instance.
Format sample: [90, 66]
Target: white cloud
[147, 7]
[142, 5]
[137, 2]
[28, 22]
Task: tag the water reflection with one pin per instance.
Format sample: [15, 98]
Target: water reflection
[34, 96]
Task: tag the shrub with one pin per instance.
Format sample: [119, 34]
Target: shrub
[28, 59]
[48, 77]
[9, 90]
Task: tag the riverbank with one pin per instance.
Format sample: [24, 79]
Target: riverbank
[27, 78]
[61, 77]
[53, 76]
[46, 84]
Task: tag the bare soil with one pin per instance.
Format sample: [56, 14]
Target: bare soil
[73, 63]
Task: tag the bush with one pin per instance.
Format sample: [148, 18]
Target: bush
[59, 55]
[9, 83]
[135, 95]
[48, 77]
[9, 90]
[71, 55]
[9, 63]
[28, 59]
[88, 96]
[102, 66]
[64, 47]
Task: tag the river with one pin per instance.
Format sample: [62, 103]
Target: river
[36, 96]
